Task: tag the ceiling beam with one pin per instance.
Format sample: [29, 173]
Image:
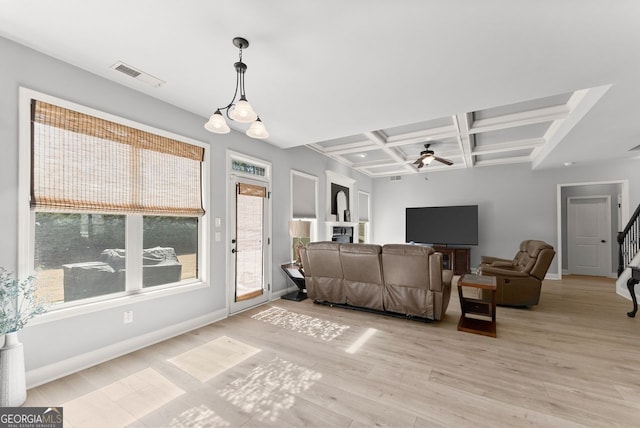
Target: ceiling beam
[580, 104]
[503, 161]
[382, 143]
[421, 136]
[342, 148]
[465, 140]
[547, 114]
[530, 143]
[384, 174]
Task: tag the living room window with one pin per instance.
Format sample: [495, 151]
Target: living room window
[304, 196]
[363, 217]
[115, 207]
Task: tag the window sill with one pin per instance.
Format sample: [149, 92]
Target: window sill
[111, 302]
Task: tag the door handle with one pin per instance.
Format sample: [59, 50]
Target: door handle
[602, 240]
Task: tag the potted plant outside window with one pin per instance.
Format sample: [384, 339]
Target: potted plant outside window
[18, 304]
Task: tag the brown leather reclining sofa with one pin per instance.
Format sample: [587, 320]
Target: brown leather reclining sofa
[395, 278]
[519, 281]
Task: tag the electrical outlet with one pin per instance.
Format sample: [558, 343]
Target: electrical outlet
[128, 317]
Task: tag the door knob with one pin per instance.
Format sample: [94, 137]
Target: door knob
[602, 240]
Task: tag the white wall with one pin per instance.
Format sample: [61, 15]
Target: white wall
[515, 203]
[55, 346]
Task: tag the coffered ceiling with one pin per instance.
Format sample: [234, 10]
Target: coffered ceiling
[369, 82]
[515, 133]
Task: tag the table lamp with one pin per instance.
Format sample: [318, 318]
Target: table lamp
[299, 229]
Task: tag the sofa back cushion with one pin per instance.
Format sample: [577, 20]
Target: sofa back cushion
[325, 270]
[362, 271]
[407, 279]
[534, 258]
[543, 254]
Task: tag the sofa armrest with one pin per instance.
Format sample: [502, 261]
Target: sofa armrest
[435, 272]
[501, 264]
[447, 277]
[496, 271]
[439, 279]
[489, 260]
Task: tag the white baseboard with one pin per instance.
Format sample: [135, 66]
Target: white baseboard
[74, 364]
[275, 295]
[613, 275]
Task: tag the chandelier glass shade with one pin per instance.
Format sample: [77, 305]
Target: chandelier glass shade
[217, 124]
[240, 111]
[257, 130]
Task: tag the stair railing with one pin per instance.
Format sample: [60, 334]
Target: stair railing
[629, 241]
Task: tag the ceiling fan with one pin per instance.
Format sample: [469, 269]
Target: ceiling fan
[427, 156]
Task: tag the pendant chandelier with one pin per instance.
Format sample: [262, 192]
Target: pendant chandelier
[241, 111]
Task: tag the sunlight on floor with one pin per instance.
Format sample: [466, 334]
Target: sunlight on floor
[269, 389]
[201, 416]
[314, 327]
[122, 402]
[361, 341]
[209, 360]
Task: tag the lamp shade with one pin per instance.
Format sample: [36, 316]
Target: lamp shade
[243, 112]
[257, 130]
[217, 124]
[299, 229]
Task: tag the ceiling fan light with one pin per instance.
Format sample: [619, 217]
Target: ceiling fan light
[257, 130]
[428, 160]
[243, 112]
[217, 124]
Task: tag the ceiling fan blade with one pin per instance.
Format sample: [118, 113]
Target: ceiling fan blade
[444, 161]
[420, 163]
[419, 160]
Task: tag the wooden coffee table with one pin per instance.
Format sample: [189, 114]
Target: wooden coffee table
[487, 310]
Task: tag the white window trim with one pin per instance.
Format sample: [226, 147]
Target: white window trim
[26, 216]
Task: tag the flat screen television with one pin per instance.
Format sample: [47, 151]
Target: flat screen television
[454, 225]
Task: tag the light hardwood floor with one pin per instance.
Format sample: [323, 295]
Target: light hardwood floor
[573, 360]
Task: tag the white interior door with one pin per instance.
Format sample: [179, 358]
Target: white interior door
[589, 235]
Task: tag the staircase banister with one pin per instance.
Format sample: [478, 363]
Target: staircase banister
[633, 218]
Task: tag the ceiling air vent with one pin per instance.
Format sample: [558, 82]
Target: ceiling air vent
[137, 74]
[395, 178]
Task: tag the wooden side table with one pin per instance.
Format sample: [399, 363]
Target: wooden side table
[486, 327]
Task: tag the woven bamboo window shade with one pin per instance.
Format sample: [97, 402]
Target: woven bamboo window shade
[251, 190]
[82, 163]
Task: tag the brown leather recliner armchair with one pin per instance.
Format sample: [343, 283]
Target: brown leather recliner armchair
[519, 281]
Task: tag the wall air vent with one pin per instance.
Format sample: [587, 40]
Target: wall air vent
[137, 74]
[395, 178]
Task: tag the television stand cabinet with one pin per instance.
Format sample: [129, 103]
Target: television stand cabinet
[457, 259]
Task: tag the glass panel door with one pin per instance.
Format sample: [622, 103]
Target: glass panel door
[249, 245]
